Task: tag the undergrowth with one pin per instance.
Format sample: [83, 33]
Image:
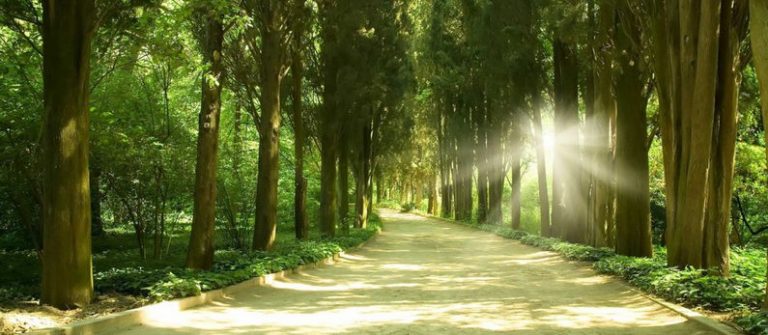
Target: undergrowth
[157, 283]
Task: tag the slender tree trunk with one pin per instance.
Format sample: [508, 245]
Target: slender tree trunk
[200, 251]
[68, 27]
[343, 178]
[301, 221]
[633, 218]
[495, 168]
[568, 211]
[541, 168]
[481, 163]
[716, 239]
[269, 129]
[328, 123]
[758, 11]
[601, 214]
[364, 180]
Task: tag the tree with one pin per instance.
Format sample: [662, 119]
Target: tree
[758, 24]
[328, 118]
[568, 211]
[301, 221]
[272, 19]
[600, 215]
[697, 89]
[633, 213]
[200, 251]
[68, 28]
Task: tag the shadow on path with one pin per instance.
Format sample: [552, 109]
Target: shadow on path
[423, 276]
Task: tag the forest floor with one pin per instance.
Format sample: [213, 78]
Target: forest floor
[424, 276]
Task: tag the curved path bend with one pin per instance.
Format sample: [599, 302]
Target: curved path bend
[424, 276]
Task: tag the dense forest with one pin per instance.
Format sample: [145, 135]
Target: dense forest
[160, 148]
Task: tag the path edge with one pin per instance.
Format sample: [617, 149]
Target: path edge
[132, 317]
[691, 315]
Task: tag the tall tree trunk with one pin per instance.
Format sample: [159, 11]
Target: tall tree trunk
[716, 240]
[568, 211]
[68, 28]
[432, 202]
[541, 168]
[697, 122]
[328, 122]
[495, 167]
[599, 139]
[343, 177]
[633, 217]
[446, 194]
[758, 11]
[269, 128]
[464, 167]
[200, 251]
[364, 180]
[481, 162]
[301, 221]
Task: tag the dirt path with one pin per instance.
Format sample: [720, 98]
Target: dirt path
[423, 276]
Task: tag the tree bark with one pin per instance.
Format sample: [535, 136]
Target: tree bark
[599, 139]
[633, 219]
[758, 11]
[541, 168]
[269, 128]
[200, 251]
[568, 211]
[343, 177]
[328, 122]
[301, 221]
[698, 119]
[364, 180]
[67, 278]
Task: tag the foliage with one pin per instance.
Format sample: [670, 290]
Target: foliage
[165, 281]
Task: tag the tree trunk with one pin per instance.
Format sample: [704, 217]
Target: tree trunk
[541, 168]
[301, 221]
[200, 251]
[68, 27]
[269, 129]
[364, 180]
[568, 211]
[697, 122]
[328, 122]
[481, 163]
[758, 10]
[495, 167]
[432, 202]
[633, 218]
[599, 139]
[343, 178]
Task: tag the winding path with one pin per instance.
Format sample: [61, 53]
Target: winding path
[424, 276]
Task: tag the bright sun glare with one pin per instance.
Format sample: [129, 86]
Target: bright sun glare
[549, 142]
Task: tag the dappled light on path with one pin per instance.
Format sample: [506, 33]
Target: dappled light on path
[423, 276]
